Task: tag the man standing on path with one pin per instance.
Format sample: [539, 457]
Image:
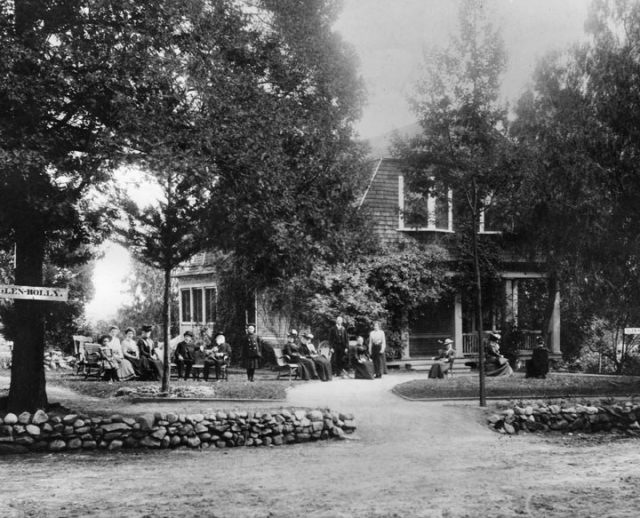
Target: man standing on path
[339, 343]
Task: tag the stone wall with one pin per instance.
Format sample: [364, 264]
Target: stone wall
[73, 432]
[578, 418]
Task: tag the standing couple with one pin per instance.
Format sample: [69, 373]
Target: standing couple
[339, 343]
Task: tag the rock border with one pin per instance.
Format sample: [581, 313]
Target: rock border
[579, 418]
[40, 432]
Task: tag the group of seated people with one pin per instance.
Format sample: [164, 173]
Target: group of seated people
[216, 354]
[300, 350]
[130, 358]
[141, 357]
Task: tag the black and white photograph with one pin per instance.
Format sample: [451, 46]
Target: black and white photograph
[319, 258]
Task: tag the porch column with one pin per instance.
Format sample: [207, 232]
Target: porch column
[511, 299]
[554, 325]
[404, 334]
[457, 326]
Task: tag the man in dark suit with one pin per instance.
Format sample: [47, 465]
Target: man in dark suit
[339, 343]
[184, 355]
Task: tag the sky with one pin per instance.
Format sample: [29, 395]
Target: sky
[390, 37]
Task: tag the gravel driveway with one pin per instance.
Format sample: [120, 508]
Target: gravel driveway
[406, 459]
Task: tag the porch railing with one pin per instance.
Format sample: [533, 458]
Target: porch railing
[470, 341]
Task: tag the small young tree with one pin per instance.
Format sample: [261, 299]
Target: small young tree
[463, 146]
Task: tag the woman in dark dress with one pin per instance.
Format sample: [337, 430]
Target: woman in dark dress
[361, 363]
[251, 353]
[322, 364]
[151, 364]
[293, 354]
[495, 363]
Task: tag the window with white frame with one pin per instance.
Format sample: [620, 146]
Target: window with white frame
[489, 217]
[198, 305]
[431, 212]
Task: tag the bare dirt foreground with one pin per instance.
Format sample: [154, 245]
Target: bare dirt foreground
[406, 459]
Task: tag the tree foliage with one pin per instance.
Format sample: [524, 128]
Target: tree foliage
[145, 287]
[464, 145]
[578, 126]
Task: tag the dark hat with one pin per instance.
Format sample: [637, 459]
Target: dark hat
[494, 337]
[251, 324]
[103, 338]
[221, 333]
[188, 333]
[129, 329]
[114, 327]
[146, 328]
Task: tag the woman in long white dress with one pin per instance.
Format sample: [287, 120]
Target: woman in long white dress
[125, 370]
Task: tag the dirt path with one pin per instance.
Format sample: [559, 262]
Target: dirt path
[407, 459]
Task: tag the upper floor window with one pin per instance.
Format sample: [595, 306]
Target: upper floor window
[489, 217]
[431, 212]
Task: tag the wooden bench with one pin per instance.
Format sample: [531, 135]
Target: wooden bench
[283, 366]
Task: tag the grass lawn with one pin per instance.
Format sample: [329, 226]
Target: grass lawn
[266, 386]
[556, 385]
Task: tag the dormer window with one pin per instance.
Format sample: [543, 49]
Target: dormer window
[419, 212]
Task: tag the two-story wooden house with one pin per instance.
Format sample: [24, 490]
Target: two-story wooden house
[521, 281]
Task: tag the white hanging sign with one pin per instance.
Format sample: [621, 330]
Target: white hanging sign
[34, 293]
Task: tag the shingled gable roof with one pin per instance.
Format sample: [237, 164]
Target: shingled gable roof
[380, 199]
[201, 263]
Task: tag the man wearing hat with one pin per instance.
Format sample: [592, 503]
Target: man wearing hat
[184, 355]
[151, 364]
[217, 354]
[251, 352]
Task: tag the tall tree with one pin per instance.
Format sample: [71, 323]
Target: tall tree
[286, 190]
[578, 125]
[463, 146]
[73, 74]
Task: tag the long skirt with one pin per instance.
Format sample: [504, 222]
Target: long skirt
[307, 368]
[363, 369]
[125, 370]
[438, 370]
[323, 367]
[151, 368]
[495, 368]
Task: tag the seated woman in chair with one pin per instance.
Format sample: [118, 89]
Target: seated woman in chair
[361, 363]
[495, 363]
[538, 365]
[125, 368]
[443, 363]
[293, 354]
[323, 364]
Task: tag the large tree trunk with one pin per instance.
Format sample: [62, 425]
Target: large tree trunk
[27, 391]
[166, 322]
